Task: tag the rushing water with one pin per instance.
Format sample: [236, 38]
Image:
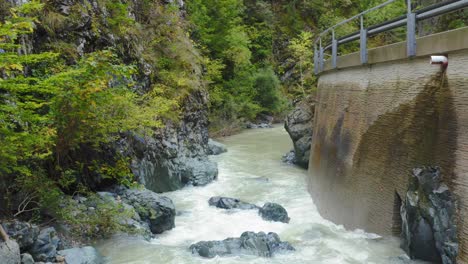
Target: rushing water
[252, 171]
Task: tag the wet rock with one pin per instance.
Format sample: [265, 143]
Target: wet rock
[264, 119]
[156, 210]
[298, 124]
[107, 196]
[9, 252]
[429, 218]
[260, 125]
[249, 243]
[215, 148]
[199, 172]
[84, 255]
[274, 212]
[176, 155]
[289, 158]
[230, 203]
[45, 246]
[24, 233]
[26, 259]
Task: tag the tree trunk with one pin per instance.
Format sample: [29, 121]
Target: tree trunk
[3, 234]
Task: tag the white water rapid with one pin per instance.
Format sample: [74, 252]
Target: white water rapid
[252, 171]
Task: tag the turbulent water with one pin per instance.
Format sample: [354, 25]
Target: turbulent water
[252, 171]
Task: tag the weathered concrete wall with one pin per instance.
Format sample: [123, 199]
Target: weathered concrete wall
[373, 124]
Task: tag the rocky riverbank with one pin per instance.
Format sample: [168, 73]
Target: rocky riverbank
[144, 214]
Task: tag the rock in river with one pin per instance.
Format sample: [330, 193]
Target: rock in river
[274, 212]
[230, 203]
[429, 218]
[299, 126]
[215, 148]
[157, 210]
[249, 243]
[290, 157]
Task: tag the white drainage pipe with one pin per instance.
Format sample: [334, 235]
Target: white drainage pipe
[441, 60]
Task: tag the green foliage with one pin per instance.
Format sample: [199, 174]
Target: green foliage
[56, 118]
[235, 46]
[301, 49]
[267, 88]
[61, 106]
[96, 218]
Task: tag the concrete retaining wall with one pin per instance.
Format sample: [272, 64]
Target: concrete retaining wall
[374, 123]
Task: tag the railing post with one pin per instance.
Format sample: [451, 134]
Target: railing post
[334, 50]
[321, 56]
[363, 42]
[316, 65]
[410, 31]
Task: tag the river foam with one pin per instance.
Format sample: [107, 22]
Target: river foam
[252, 171]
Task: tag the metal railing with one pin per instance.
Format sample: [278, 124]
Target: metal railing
[409, 19]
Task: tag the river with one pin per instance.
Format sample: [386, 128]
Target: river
[252, 171]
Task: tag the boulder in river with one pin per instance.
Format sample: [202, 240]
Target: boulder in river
[429, 218]
[84, 255]
[298, 124]
[249, 243]
[199, 172]
[260, 125]
[274, 212]
[215, 148]
[156, 210]
[290, 157]
[230, 203]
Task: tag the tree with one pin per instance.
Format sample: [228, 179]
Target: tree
[302, 51]
[50, 112]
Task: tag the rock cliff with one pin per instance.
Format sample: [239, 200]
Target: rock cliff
[175, 155]
[298, 123]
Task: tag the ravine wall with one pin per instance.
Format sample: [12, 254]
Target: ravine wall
[374, 123]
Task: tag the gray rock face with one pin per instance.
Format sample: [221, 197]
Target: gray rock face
[429, 220]
[45, 247]
[24, 233]
[9, 252]
[260, 125]
[299, 126]
[177, 155]
[156, 210]
[274, 212]
[84, 255]
[230, 203]
[26, 259]
[249, 243]
[199, 171]
[289, 158]
[215, 148]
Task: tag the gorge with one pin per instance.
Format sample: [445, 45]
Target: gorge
[150, 131]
